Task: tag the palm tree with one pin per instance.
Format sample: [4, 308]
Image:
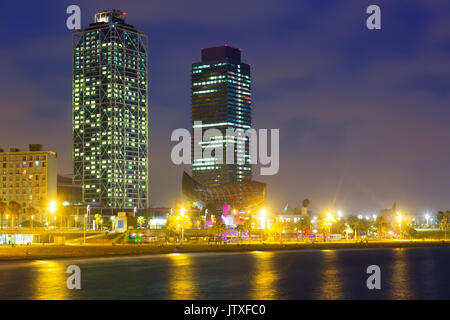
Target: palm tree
[31, 212]
[14, 209]
[240, 228]
[41, 205]
[248, 225]
[381, 223]
[3, 207]
[357, 225]
[98, 218]
[276, 229]
[141, 221]
[445, 223]
[219, 227]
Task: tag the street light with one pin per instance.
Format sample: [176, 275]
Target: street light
[427, 216]
[88, 212]
[399, 219]
[262, 216]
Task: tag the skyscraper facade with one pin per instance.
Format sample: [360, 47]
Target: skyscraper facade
[110, 112]
[221, 99]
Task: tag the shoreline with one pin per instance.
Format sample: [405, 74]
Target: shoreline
[49, 252]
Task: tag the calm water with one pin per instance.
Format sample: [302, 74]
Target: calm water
[413, 273]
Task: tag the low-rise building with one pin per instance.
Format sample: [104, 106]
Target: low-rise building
[29, 178]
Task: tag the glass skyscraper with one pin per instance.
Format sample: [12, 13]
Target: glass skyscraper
[110, 112]
[221, 99]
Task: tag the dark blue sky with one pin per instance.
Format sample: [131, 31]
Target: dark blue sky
[363, 115]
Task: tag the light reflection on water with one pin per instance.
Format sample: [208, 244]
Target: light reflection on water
[50, 281]
[401, 279]
[416, 273]
[181, 279]
[264, 281]
[331, 281]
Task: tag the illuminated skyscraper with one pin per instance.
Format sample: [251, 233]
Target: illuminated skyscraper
[221, 99]
[110, 112]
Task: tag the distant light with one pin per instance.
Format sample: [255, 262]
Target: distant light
[52, 206]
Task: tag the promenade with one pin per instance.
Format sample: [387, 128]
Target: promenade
[49, 251]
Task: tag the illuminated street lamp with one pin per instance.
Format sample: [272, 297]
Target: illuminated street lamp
[84, 233]
[52, 207]
[329, 219]
[399, 220]
[262, 217]
[427, 216]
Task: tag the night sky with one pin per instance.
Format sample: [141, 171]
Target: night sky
[363, 115]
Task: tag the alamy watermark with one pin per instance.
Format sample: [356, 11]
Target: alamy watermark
[241, 147]
[74, 280]
[374, 280]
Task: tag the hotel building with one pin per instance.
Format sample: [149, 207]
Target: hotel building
[110, 112]
[28, 178]
[221, 99]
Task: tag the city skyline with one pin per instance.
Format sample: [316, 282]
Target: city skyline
[359, 144]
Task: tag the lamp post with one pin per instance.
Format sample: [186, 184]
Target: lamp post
[84, 233]
[427, 216]
[88, 211]
[399, 219]
[52, 209]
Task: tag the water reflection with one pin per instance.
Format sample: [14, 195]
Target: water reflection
[264, 282]
[181, 280]
[400, 276]
[331, 281]
[50, 281]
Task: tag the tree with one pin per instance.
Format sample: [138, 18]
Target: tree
[276, 230]
[381, 225]
[240, 228]
[41, 206]
[3, 207]
[303, 224]
[248, 226]
[141, 221]
[98, 219]
[31, 212]
[219, 228]
[440, 216]
[14, 209]
[357, 225]
[445, 223]
[177, 223]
